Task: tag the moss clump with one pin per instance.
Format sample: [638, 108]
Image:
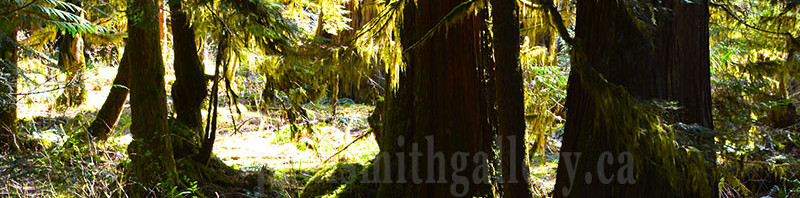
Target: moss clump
[358, 188]
[340, 180]
[186, 141]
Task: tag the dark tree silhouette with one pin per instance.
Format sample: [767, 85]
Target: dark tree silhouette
[189, 89]
[510, 98]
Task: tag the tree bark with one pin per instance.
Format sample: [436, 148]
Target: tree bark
[510, 98]
[109, 113]
[189, 89]
[684, 49]
[150, 151]
[666, 58]
[70, 58]
[435, 131]
[8, 87]
[683, 52]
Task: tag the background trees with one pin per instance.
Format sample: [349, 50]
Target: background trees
[299, 76]
[70, 58]
[189, 89]
[58, 15]
[751, 55]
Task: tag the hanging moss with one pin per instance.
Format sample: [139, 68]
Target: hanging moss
[623, 112]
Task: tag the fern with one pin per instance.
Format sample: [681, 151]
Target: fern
[60, 14]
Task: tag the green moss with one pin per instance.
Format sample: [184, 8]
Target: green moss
[186, 142]
[340, 180]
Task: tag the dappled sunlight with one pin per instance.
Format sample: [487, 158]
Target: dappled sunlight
[290, 98]
[258, 143]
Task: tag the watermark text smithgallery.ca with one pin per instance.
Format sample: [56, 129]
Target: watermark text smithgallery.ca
[430, 166]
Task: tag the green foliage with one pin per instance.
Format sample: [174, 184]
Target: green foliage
[754, 64]
[341, 180]
[40, 22]
[60, 14]
[57, 171]
[545, 93]
[173, 191]
[51, 14]
[545, 61]
[329, 179]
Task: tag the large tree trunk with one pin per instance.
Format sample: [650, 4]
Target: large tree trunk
[664, 58]
[151, 150]
[683, 53]
[109, 113]
[510, 98]
[189, 89]
[8, 88]
[435, 131]
[70, 58]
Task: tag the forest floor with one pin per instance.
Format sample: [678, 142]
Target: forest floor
[250, 141]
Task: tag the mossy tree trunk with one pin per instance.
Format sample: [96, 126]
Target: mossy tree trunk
[510, 99]
[8, 87]
[434, 137]
[150, 151]
[190, 87]
[70, 58]
[652, 50]
[109, 113]
[683, 52]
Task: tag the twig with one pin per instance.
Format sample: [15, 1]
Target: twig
[348, 145]
[37, 92]
[225, 25]
[20, 8]
[555, 16]
[731, 14]
[242, 124]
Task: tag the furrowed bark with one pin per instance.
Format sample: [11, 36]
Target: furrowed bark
[436, 107]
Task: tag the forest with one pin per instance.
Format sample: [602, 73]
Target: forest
[400, 98]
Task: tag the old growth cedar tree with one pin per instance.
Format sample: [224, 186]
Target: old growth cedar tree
[437, 106]
[665, 59]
